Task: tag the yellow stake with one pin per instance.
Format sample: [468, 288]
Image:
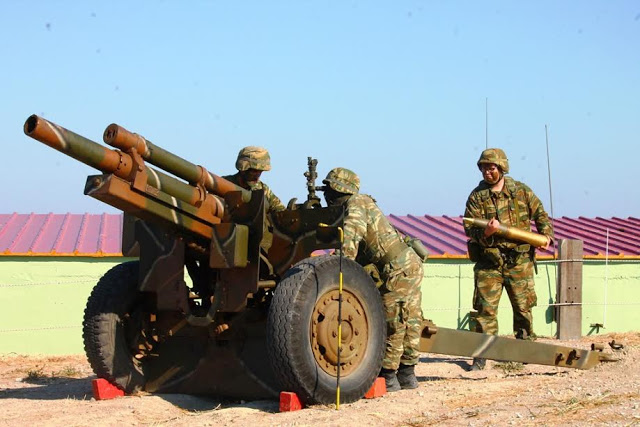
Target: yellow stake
[341, 237]
[339, 320]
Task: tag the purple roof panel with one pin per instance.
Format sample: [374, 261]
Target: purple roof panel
[10, 226]
[89, 234]
[111, 242]
[46, 238]
[28, 233]
[67, 238]
[440, 235]
[60, 234]
[100, 234]
[444, 236]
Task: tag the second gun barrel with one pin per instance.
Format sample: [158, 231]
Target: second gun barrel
[119, 137]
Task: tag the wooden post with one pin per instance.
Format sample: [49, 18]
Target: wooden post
[569, 289]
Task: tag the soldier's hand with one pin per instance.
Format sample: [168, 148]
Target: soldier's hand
[545, 247]
[492, 227]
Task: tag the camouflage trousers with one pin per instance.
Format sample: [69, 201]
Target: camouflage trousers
[402, 300]
[518, 281]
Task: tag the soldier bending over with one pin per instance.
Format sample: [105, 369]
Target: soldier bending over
[369, 238]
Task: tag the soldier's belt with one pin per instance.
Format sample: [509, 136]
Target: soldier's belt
[511, 256]
[394, 251]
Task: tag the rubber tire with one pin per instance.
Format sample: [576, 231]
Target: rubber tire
[115, 295]
[288, 330]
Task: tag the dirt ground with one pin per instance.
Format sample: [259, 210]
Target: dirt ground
[57, 391]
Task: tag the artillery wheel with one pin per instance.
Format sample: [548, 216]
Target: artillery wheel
[302, 330]
[113, 330]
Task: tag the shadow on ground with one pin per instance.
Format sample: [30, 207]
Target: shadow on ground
[192, 403]
[52, 389]
[59, 388]
[462, 363]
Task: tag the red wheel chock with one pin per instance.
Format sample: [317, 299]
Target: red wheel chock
[104, 390]
[378, 389]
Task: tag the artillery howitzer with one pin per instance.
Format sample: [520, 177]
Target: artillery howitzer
[253, 321]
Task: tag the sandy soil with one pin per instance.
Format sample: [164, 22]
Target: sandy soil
[57, 391]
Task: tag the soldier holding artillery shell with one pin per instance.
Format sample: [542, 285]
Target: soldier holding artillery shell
[498, 209]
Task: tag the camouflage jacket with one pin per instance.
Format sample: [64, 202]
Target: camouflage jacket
[273, 202]
[515, 206]
[369, 238]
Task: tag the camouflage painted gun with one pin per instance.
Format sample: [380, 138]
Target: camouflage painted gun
[249, 323]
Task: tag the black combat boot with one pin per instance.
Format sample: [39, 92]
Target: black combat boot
[407, 377]
[478, 364]
[390, 379]
[522, 334]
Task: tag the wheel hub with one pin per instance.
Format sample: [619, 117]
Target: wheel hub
[324, 332]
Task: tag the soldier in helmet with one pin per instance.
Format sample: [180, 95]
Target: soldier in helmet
[369, 238]
[501, 263]
[251, 162]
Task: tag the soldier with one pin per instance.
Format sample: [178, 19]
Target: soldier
[500, 262]
[251, 162]
[369, 238]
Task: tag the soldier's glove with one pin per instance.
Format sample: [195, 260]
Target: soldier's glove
[374, 273]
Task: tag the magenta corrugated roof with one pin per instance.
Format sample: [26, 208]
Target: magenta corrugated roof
[444, 236]
[60, 234]
[100, 234]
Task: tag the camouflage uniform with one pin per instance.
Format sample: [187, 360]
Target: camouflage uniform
[273, 202]
[369, 238]
[256, 158]
[500, 262]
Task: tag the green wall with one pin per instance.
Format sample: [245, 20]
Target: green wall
[447, 290]
[620, 282]
[43, 299]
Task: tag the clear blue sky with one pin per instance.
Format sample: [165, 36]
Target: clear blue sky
[394, 90]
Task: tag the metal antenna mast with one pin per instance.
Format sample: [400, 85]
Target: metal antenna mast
[546, 134]
[555, 247]
[486, 122]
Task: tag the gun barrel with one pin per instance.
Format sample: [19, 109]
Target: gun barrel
[511, 233]
[107, 160]
[80, 148]
[119, 137]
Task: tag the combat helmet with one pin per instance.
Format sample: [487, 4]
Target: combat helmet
[495, 156]
[343, 180]
[253, 158]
